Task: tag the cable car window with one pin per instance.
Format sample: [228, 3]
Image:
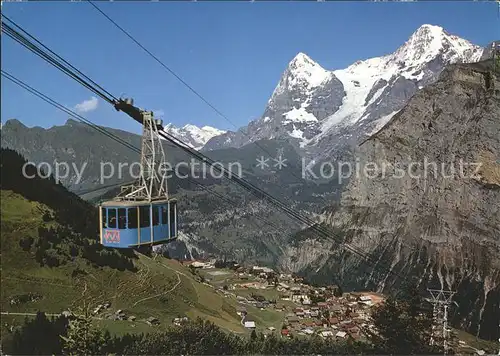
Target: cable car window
[156, 215]
[172, 220]
[132, 218]
[112, 218]
[144, 216]
[164, 216]
[122, 218]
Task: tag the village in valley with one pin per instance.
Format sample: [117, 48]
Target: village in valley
[304, 310]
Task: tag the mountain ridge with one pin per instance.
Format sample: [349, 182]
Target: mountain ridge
[314, 107]
[196, 137]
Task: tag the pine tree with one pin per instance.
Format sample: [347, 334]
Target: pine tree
[403, 326]
[83, 337]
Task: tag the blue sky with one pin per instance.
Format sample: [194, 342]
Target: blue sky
[233, 53]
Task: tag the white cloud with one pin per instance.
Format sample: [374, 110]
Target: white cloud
[159, 113]
[87, 105]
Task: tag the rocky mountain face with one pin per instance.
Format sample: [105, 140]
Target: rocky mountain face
[194, 136]
[427, 207]
[323, 112]
[488, 51]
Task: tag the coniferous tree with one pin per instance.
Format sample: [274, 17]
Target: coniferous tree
[404, 326]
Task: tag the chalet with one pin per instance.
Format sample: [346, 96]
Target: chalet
[308, 331]
[336, 308]
[323, 305]
[264, 270]
[299, 298]
[326, 333]
[250, 324]
[333, 321]
[152, 321]
[341, 334]
[353, 330]
[348, 326]
[309, 323]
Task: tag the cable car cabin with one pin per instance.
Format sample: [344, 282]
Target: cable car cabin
[126, 224]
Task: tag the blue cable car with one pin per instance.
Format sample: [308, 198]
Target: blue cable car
[142, 214]
[128, 224]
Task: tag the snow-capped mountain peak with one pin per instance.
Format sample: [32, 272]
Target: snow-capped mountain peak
[428, 41]
[319, 109]
[302, 74]
[193, 135]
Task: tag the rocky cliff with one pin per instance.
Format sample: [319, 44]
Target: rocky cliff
[425, 203]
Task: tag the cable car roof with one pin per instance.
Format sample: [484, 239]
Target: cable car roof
[128, 203]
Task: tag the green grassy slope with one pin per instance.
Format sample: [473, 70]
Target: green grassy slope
[163, 288]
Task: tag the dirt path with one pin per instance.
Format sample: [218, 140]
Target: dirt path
[163, 293]
[177, 273]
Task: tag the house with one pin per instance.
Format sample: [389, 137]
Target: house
[336, 308]
[198, 264]
[326, 333]
[271, 328]
[353, 331]
[152, 321]
[309, 323]
[285, 333]
[341, 334]
[308, 331]
[262, 269]
[323, 305]
[298, 298]
[293, 319]
[250, 324]
[333, 321]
